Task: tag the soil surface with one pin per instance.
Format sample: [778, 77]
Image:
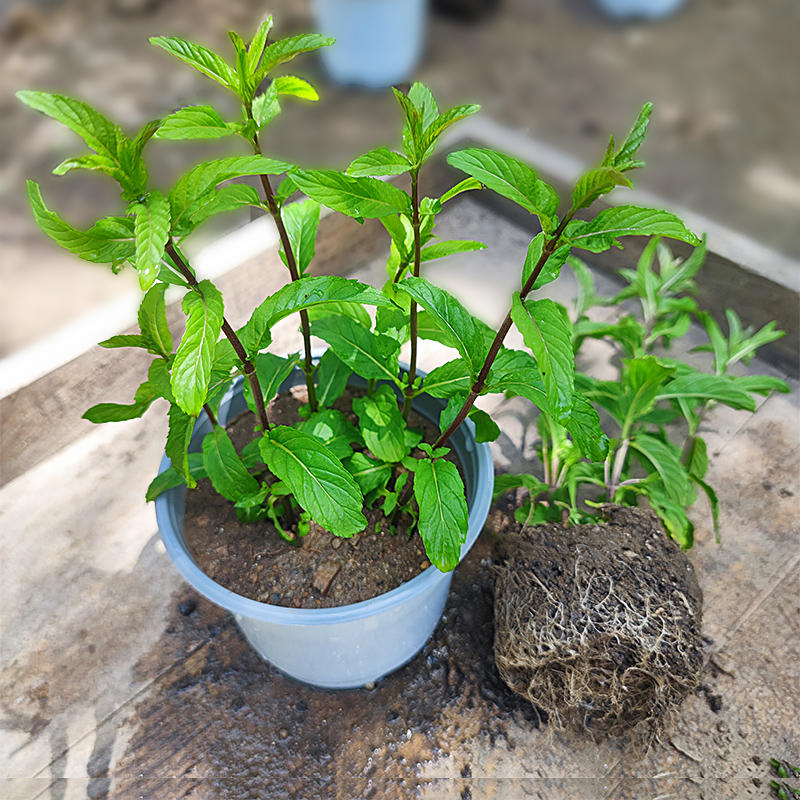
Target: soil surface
[322, 571]
[598, 624]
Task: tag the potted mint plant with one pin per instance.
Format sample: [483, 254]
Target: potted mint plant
[339, 455]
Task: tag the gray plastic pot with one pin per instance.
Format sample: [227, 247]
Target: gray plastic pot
[349, 646]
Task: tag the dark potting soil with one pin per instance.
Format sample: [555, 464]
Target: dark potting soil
[598, 624]
[322, 571]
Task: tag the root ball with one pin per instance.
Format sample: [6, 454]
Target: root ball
[598, 625]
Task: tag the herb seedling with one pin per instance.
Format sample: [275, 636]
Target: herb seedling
[651, 393]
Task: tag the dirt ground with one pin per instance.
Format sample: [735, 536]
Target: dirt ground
[722, 73]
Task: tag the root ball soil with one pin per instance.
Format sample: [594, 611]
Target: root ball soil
[599, 625]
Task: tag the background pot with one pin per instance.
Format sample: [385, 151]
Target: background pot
[378, 42]
[649, 9]
[349, 646]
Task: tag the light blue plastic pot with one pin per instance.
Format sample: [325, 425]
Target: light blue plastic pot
[349, 646]
[378, 42]
[647, 9]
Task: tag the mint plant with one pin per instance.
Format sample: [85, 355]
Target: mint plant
[651, 395]
[326, 468]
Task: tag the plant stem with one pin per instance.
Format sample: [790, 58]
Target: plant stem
[249, 368]
[616, 474]
[210, 414]
[291, 263]
[477, 387]
[415, 225]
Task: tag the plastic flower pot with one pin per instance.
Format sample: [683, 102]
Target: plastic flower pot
[647, 9]
[378, 42]
[349, 646]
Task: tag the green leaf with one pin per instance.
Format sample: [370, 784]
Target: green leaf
[371, 355]
[451, 317]
[179, 436]
[627, 332]
[110, 241]
[516, 373]
[594, 183]
[672, 514]
[191, 369]
[225, 468]
[256, 49]
[422, 99]
[552, 267]
[366, 198]
[486, 429]
[454, 404]
[642, 379]
[368, 473]
[708, 387]
[468, 184]
[153, 322]
[439, 125]
[761, 384]
[301, 221]
[285, 50]
[196, 122]
[113, 412]
[584, 427]
[125, 340]
[94, 162]
[152, 231]
[334, 430]
[158, 376]
[623, 159]
[546, 329]
[296, 87]
[452, 378]
[307, 292]
[266, 106]
[412, 130]
[508, 483]
[665, 460]
[332, 376]
[443, 515]
[382, 424]
[697, 458]
[377, 163]
[168, 479]
[100, 134]
[603, 231]
[510, 178]
[319, 482]
[271, 371]
[226, 198]
[394, 322]
[199, 57]
[449, 248]
[189, 191]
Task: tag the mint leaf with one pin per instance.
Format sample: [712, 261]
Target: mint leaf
[226, 198]
[371, 355]
[486, 429]
[439, 125]
[296, 87]
[552, 267]
[510, 178]
[196, 122]
[225, 468]
[546, 329]
[332, 376]
[191, 369]
[443, 515]
[100, 134]
[468, 184]
[285, 50]
[199, 57]
[301, 221]
[377, 163]
[271, 371]
[334, 430]
[594, 183]
[449, 248]
[451, 317]
[603, 231]
[703, 387]
[319, 482]
[624, 157]
[256, 49]
[366, 198]
[114, 412]
[584, 427]
[368, 473]
[179, 436]
[452, 378]
[125, 340]
[153, 322]
[110, 241]
[665, 460]
[151, 229]
[381, 424]
[642, 381]
[307, 292]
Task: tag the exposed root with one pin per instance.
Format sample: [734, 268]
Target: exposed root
[599, 625]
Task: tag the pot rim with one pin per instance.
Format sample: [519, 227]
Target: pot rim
[169, 503]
